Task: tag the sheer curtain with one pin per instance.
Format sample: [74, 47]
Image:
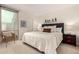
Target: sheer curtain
[9, 21]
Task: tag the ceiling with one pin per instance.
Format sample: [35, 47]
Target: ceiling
[47, 10]
[38, 8]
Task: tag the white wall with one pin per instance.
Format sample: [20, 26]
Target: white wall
[26, 17]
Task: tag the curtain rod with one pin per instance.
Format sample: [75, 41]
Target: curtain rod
[8, 8]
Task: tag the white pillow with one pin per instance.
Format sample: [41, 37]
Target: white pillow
[59, 30]
[46, 27]
[53, 28]
[40, 29]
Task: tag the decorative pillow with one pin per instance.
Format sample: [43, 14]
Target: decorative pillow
[39, 28]
[53, 29]
[59, 30]
[47, 30]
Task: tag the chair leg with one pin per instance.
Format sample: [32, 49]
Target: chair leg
[14, 39]
[6, 42]
[1, 44]
[6, 45]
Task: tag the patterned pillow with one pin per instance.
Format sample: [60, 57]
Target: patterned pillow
[47, 30]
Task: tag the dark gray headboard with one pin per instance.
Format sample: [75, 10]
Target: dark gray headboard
[58, 25]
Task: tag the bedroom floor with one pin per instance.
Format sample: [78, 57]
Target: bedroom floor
[19, 48]
[67, 49]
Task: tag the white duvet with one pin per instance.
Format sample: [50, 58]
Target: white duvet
[47, 42]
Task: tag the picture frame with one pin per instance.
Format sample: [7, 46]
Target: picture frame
[23, 23]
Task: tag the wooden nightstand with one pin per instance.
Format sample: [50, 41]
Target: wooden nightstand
[69, 39]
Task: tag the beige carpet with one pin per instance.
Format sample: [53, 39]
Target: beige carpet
[19, 48]
[67, 49]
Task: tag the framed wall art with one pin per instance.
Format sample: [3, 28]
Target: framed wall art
[23, 23]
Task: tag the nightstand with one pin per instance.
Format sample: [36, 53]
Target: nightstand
[69, 39]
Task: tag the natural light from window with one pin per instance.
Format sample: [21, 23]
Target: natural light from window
[7, 19]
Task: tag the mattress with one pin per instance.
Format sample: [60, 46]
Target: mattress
[47, 42]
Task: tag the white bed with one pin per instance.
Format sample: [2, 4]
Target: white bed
[46, 42]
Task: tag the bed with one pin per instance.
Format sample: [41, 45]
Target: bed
[45, 41]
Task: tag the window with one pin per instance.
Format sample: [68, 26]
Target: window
[8, 19]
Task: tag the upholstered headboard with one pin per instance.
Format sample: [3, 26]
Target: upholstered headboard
[58, 25]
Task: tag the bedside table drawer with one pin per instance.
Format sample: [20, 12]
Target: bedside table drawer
[69, 39]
